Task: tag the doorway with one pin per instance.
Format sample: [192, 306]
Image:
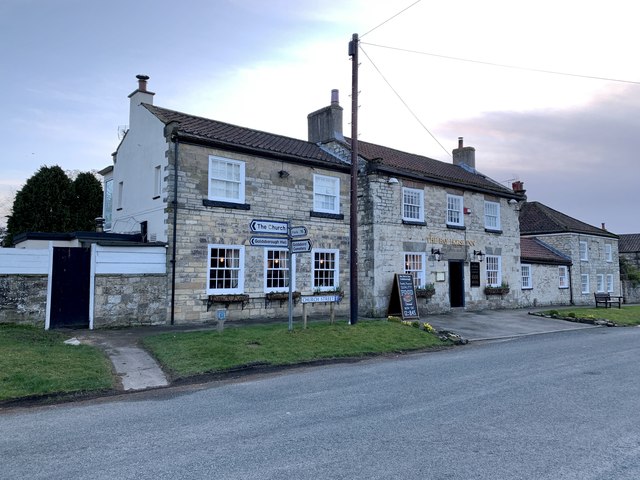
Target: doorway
[456, 283]
[70, 287]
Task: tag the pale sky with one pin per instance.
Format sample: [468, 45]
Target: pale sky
[68, 66]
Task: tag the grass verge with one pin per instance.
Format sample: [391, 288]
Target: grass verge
[627, 315]
[35, 362]
[193, 353]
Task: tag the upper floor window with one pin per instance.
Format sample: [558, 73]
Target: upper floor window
[584, 251]
[608, 255]
[326, 194]
[107, 209]
[414, 265]
[413, 204]
[157, 181]
[120, 198]
[527, 281]
[609, 282]
[226, 180]
[455, 210]
[276, 271]
[492, 215]
[225, 274]
[584, 281]
[563, 277]
[494, 270]
[324, 270]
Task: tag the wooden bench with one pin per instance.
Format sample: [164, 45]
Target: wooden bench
[607, 300]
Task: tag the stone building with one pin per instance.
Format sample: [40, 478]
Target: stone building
[545, 274]
[593, 251]
[198, 185]
[629, 248]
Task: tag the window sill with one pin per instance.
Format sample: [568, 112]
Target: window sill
[332, 216]
[491, 230]
[527, 288]
[119, 209]
[414, 222]
[156, 197]
[219, 204]
[456, 227]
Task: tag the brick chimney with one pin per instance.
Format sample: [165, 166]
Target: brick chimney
[466, 155]
[139, 96]
[325, 125]
[518, 187]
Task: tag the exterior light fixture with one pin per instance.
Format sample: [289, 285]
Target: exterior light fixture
[436, 253]
[479, 255]
[283, 174]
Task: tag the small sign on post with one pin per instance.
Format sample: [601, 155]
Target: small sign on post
[300, 246]
[403, 297]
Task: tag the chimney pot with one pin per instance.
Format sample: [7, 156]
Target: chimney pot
[335, 97]
[517, 186]
[603, 226]
[142, 82]
[460, 142]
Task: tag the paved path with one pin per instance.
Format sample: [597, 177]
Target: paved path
[138, 370]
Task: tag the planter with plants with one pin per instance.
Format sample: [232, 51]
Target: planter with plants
[426, 291]
[499, 290]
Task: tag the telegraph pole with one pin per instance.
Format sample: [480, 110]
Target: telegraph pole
[353, 212]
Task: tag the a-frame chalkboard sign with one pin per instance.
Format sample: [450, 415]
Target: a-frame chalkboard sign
[403, 297]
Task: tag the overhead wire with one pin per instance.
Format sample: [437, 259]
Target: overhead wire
[390, 18]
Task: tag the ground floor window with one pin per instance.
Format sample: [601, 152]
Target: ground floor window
[324, 270]
[584, 280]
[276, 271]
[527, 281]
[609, 283]
[600, 283]
[494, 274]
[414, 265]
[226, 269]
[563, 277]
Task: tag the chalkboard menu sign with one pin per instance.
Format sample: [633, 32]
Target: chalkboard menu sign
[474, 268]
[403, 297]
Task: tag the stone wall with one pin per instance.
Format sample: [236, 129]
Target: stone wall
[128, 300]
[267, 196]
[631, 293]
[23, 299]
[545, 291]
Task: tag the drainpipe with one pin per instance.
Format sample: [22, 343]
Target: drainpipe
[174, 137]
[570, 286]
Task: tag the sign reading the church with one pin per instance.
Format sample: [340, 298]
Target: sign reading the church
[474, 268]
[403, 297]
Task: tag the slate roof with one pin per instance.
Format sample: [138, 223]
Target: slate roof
[629, 243]
[226, 134]
[430, 169]
[533, 250]
[536, 219]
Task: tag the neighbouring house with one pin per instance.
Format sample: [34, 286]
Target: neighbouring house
[629, 250]
[593, 251]
[199, 185]
[545, 274]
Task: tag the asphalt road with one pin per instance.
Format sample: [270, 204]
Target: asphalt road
[555, 406]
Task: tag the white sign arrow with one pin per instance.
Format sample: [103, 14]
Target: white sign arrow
[269, 226]
[269, 242]
[299, 231]
[300, 246]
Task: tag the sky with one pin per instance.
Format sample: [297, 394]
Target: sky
[430, 72]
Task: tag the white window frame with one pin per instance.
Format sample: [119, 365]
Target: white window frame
[284, 270]
[526, 279]
[335, 277]
[415, 265]
[600, 283]
[120, 199]
[157, 181]
[610, 284]
[608, 252]
[235, 194]
[455, 210]
[330, 189]
[107, 208]
[239, 288]
[563, 276]
[416, 201]
[584, 282]
[584, 251]
[492, 215]
[490, 262]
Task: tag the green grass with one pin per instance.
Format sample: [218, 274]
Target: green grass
[35, 362]
[627, 315]
[193, 353]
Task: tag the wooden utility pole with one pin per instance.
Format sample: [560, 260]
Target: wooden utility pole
[353, 212]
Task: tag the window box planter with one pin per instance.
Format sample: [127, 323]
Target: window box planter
[496, 290]
[282, 297]
[426, 292]
[227, 299]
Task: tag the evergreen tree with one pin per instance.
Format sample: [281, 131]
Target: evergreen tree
[51, 202]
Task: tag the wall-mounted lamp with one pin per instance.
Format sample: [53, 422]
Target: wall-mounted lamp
[393, 181]
[283, 174]
[479, 255]
[436, 253]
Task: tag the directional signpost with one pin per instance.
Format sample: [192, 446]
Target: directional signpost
[275, 227]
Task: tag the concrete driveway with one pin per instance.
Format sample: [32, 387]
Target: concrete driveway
[496, 324]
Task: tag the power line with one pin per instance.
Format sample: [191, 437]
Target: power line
[403, 102]
[502, 65]
[390, 18]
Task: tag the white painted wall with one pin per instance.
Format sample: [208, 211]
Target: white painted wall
[130, 260]
[141, 150]
[24, 262]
